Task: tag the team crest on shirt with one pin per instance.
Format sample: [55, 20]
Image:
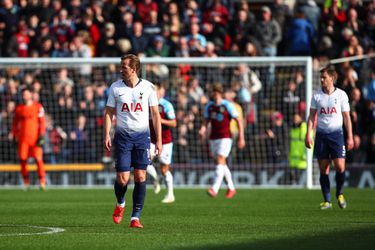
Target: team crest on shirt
[140, 95]
[222, 109]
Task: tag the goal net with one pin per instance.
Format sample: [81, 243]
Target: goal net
[271, 93]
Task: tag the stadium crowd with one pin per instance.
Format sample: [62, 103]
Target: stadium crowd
[74, 99]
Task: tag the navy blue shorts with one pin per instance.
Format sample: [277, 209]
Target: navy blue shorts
[329, 146]
[130, 154]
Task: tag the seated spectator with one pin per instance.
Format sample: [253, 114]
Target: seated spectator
[197, 42]
[158, 48]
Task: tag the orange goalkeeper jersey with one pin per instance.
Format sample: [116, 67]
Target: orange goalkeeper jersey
[29, 123]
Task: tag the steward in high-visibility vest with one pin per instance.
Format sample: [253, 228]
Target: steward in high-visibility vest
[297, 152]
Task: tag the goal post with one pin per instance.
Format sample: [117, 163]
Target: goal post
[74, 91]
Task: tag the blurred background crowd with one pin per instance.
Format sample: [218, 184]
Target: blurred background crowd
[74, 99]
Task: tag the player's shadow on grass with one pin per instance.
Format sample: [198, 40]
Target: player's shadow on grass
[359, 238]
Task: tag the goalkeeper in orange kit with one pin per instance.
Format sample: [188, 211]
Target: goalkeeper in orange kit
[28, 131]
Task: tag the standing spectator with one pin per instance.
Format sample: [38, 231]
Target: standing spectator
[278, 138]
[54, 141]
[331, 107]
[132, 137]
[124, 28]
[334, 9]
[153, 28]
[312, 13]
[28, 130]
[297, 151]
[218, 113]
[268, 32]
[300, 36]
[22, 39]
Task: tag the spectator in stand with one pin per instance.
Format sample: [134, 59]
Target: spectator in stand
[240, 28]
[191, 10]
[268, 32]
[301, 36]
[182, 49]
[107, 42]
[312, 13]
[138, 40]
[334, 9]
[358, 7]
[290, 102]
[87, 24]
[217, 13]
[154, 27]
[55, 138]
[80, 150]
[158, 48]
[45, 11]
[144, 7]
[61, 50]
[278, 139]
[353, 23]
[282, 14]
[124, 28]
[63, 27]
[197, 42]
[22, 39]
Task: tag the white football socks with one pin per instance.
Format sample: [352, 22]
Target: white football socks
[169, 183]
[219, 175]
[152, 172]
[228, 177]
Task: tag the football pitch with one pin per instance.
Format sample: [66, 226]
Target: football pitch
[253, 219]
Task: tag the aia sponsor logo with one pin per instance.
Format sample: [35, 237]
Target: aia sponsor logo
[132, 107]
[328, 110]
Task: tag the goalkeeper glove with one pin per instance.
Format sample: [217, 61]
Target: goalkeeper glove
[40, 141]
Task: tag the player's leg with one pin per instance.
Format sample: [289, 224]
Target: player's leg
[123, 162]
[337, 144]
[152, 171]
[23, 154]
[165, 170]
[120, 188]
[219, 175]
[165, 160]
[324, 179]
[223, 151]
[322, 153]
[37, 153]
[140, 161]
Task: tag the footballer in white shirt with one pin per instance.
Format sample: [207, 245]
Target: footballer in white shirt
[131, 99]
[330, 107]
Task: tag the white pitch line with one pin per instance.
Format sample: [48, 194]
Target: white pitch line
[51, 230]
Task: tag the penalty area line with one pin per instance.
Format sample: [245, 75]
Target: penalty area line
[49, 230]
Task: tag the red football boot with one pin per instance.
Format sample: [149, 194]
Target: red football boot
[230, 193]
[136, 224]
[117, 214]
[211, 193]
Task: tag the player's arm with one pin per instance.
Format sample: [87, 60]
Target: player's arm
[169, 123]
[241, 133]
[203, 129]
[41, 126]
[156, 122]
[349, 133]
[108, 116]
[310, 126]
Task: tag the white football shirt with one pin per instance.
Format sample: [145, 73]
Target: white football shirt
[132, 105]
[329, 109]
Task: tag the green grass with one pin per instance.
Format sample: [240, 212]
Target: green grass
[253, 219]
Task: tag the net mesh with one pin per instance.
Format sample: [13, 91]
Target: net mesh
[270, 93]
